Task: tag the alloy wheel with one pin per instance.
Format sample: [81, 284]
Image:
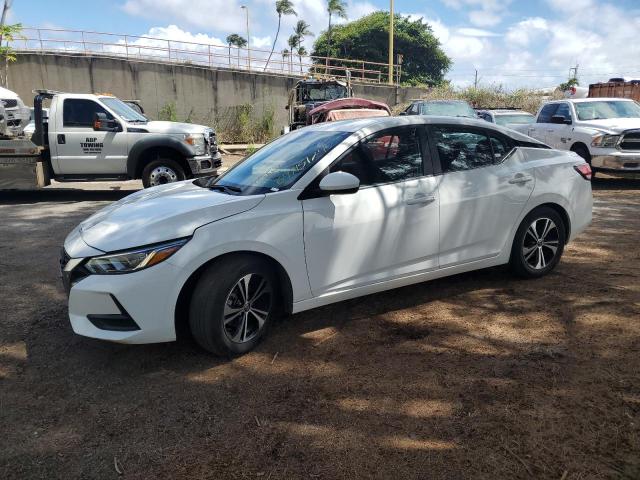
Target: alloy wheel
[540, 244]
[247, 307]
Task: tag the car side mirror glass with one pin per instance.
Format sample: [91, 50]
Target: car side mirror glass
[339, 183]
[103, 124]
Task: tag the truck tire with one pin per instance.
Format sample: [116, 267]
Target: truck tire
[161, 171]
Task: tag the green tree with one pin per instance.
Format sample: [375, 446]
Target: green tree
[424, 61]
[283, 7]
[285, 55]
[293, 44]
[301, 30]
[301, 53]
[237, 41]
[572, 82]
[8, 33]
[339, 9]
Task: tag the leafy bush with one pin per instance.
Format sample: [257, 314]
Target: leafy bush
[242, 124]
[487, 97]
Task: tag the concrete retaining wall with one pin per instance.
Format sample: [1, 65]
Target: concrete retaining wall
[201, 95]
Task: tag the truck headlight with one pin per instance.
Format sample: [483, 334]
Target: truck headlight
[197, 142]
[605, 141]
[133, 260]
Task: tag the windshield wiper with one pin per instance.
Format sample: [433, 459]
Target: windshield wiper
[137, 121]
[224, 188]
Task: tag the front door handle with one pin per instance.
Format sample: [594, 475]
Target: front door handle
[61, 139]
[520, 179]
[421, 198]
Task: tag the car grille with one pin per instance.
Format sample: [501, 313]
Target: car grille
[10, 103]
[630, 141]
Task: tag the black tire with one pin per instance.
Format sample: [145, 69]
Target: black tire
[584, 153]
[217, 292]
[525, 259]
[161, 171]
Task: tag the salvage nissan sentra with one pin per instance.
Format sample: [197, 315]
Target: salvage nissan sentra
[322, 214]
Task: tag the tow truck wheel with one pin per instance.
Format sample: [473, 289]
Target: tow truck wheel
[161, 171]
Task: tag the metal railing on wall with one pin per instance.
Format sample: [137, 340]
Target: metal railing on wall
[144, 48]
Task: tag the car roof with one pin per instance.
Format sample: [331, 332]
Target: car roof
[441, 100]
[371, 125]
[592, 99]
[505, 111]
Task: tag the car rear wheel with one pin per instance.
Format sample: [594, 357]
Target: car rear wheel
[538, 244]
[161, 171]
[233, 304]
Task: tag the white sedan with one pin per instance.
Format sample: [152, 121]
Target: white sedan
[322, 214]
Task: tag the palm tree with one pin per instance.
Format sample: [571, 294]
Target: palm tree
[339, 9]
[283, 7]
[293, 43]
[238, 42]
[301, 52]
[301, 30]
[285, 55]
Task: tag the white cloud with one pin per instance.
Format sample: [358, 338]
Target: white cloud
[476, 32]
[482, 13]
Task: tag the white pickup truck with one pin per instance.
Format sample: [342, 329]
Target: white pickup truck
[99, 137]
[603, 131]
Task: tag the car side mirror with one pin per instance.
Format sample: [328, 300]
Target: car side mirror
[339, 183]
[103, 124]
[402, 113]
[559, 119]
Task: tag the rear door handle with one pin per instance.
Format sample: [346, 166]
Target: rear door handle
[520, 179]
[421, 198]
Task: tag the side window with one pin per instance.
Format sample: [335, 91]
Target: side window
[78, 112]
[389, 156]
[547, 112]
[462, 149]
[564, 111]
[413, 110]
[501, 147]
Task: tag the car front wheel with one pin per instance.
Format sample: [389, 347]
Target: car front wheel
[233, 304]
[538, 244]
[161, 171]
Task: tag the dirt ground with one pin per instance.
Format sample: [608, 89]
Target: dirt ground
[476, 376]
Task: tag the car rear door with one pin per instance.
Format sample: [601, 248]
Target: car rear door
[482, 192]
[388, 228]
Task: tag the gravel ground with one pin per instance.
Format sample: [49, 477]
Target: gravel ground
[475, 376]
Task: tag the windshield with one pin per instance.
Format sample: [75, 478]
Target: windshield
[326, 91]
[448, 109]
[519, 118]
[279, 164]
[602, 109]
[122, 109]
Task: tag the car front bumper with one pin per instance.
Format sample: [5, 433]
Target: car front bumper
[617, 161]
[204, 165]
[135, 307]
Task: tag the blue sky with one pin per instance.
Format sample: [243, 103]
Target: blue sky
[511, 43]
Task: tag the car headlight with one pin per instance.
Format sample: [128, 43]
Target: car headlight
[605, 141]
[133, 260]
[197, 142]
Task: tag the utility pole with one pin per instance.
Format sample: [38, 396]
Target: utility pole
[575, 72]
[391, 43]
[248, 39]
[475, 82]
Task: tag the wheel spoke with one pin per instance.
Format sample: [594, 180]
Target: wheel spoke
[548, 226]
[261, 290]
[241, 333]
[230, 317]
[260, 315]
[541, 261]
[532, 231]
[243, 286]
[551, 247]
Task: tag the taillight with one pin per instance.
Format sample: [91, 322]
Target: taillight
[584, 170]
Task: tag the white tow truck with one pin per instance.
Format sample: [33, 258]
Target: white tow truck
[603, 131]
[99, 137]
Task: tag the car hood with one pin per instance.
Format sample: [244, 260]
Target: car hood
[160, 213]
[172, 127]
[613, 125]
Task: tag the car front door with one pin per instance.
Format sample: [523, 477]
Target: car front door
[559, 134]
[540, 129]
[388, 228]
[482, 192]
[81, 150]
